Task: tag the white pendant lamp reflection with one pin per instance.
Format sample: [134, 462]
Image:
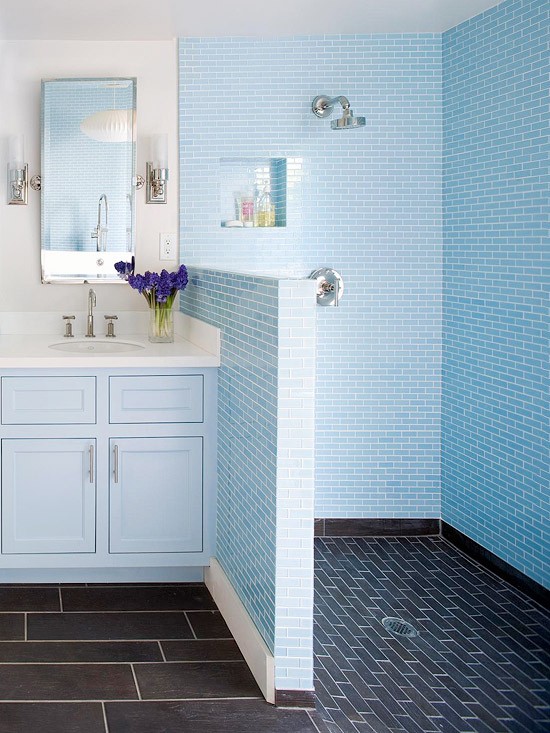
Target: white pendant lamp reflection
[109, 126]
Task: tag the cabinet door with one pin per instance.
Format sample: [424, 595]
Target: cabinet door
[48, 495]
[156, 495]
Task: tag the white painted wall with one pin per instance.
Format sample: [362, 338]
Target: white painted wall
[22, 66]
[219, 18]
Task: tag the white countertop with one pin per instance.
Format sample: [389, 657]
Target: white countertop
[34, 352]
[196, 345]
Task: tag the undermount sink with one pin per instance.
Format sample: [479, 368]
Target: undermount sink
[96, 346]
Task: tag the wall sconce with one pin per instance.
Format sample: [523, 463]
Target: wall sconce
[156, 171]
[18, 172]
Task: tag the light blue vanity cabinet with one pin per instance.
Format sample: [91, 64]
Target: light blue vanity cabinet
[107, 475]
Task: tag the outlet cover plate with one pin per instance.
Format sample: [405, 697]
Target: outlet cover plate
[167, 246]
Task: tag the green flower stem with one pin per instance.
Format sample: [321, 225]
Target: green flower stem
[162, 317]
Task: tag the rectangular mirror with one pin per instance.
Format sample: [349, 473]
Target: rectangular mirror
[88, 175]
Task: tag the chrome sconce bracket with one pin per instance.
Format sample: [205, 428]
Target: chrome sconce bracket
[155, 184]
[18, 185]
[330, 286]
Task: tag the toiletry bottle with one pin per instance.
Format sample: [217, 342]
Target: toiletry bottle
[247, 209]
[265, 214]
[238, 210]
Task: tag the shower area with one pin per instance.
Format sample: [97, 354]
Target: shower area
[430, 376]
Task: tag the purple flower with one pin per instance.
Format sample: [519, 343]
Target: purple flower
[156, 288]
[151, 280]
[125, 269]
[179, 278]
[164, 287]
[137, 282]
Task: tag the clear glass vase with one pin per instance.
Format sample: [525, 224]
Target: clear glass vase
[161, 323]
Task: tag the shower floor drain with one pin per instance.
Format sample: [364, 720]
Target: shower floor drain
[399, 627]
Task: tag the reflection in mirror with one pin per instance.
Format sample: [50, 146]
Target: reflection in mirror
[88, 170]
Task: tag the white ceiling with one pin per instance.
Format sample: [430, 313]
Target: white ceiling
[162, 19]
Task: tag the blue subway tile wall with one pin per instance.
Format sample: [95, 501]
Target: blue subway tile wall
[366, 202]
[245, 309]
[495, 449]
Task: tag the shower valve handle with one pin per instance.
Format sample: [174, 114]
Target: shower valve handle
[330, 286]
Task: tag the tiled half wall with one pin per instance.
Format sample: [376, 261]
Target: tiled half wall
[265, 446]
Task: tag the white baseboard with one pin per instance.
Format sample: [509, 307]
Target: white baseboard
[252, 646]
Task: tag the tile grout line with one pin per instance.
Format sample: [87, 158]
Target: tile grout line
[119, 610]
[121, 663]
[119, 641]
[26, 630]
[190, 625]
[152, 584]
[20, 701]
[162, 651]
[104, 717]
[60, 600]
[136, 682]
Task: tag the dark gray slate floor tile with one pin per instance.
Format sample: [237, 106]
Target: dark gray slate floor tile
[184, 680]
[320, 725]
[344, 724]
[199, 650]
[51, 718]
[209, 625]
[108, 626]
[138, 598]
[238, 716]
[12, 626]
[29, 599]
[66, 682]
[80, 651]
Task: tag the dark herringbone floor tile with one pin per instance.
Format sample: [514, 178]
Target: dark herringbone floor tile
[479, 665]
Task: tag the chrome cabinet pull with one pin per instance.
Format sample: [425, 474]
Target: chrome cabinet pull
[115, 461]
[91, 452]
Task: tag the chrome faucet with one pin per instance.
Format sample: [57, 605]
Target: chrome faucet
[100, 232]
[90, 321]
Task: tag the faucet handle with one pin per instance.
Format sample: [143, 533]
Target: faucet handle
[68, 326]
[111, 326]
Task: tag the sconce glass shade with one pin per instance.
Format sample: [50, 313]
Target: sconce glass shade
[109, 126]
[16, 152]
[159, 150]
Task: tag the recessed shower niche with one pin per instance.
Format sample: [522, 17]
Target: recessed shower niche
[254, 192]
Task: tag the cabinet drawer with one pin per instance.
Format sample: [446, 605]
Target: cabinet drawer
[48, 400]
[156, 399]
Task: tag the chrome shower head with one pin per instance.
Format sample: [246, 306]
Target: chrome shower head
[323, 106]
[347, 120]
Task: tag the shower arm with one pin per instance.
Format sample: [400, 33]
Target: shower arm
[344, 101]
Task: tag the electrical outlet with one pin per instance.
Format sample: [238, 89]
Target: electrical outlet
[167, 246]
